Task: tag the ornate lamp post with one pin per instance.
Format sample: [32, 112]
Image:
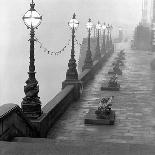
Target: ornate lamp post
[98, 53]
[88, 63]
[120, 31]
[72, 74]
[31, 104]
[103, 48]
[72, 71]
[94, 28]
[108, 38]
[153, 28]
[111, 27]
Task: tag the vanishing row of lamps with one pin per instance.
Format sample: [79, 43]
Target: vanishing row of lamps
[31, 104]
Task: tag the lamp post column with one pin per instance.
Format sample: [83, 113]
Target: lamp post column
[31, 104]
[88, 63]
[89, 40]
[103, 49]
[72, 71]
[153, 29]
[72, 74]
[98, 53]
[108, 40]
[32, 60]
[111, 42]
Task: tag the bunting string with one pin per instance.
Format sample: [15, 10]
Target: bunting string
[77, 42]
[41, 46]
[49, 51]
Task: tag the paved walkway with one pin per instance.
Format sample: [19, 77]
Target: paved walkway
[133, 132]
[47, 147]
[134, 105]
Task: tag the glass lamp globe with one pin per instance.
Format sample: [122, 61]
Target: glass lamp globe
[120, 29]
[104, 26]
[73, 23]
[98, 26]
[108, 27]
[32, 18]
[89, 25]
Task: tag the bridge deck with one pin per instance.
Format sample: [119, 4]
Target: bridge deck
[134, 105]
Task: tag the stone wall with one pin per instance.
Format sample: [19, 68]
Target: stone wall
[57, 106]
[54, 109]
[13, 123]
[88, 74]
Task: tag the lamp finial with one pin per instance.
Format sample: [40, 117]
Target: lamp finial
[32, 5]
[74, 15]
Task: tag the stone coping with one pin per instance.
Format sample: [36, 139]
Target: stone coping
[5, 109]
[60, 96]
[84, 73]
[6, 112]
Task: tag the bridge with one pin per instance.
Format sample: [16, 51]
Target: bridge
[134, 106]
[61, 129]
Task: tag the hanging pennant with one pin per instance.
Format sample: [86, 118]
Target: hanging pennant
[48, 51]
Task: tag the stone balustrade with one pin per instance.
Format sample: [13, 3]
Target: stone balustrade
[54, 109]
[14, 123]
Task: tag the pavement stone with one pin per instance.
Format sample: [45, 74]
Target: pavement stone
[134, 129]
[134, 105]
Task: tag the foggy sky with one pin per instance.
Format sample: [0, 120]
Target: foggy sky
[54, 33]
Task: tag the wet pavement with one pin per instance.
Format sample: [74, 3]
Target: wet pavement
[134, 105]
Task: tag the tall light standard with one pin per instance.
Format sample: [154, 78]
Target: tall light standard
[103, 48]
[153, 28]
[111, 27]
[108, 38]
[88, 63]
[94, 28]
[120, 35]
[72, 71]
[98, 53]
[31, 104]
[72, 74]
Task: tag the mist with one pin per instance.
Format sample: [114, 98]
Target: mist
[54, 33]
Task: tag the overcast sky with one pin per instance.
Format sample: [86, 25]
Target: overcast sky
[54, 33]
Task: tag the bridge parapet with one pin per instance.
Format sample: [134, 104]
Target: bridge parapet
[13, 123]
[54, 109]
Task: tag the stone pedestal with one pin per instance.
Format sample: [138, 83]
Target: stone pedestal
[77, 87]
[91, 118]
[32, 111]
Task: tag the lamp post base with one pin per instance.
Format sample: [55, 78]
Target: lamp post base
[77, 87]
[97, 55]
[87, 66]
[103, 51]
[31, 110]
[31, 104]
